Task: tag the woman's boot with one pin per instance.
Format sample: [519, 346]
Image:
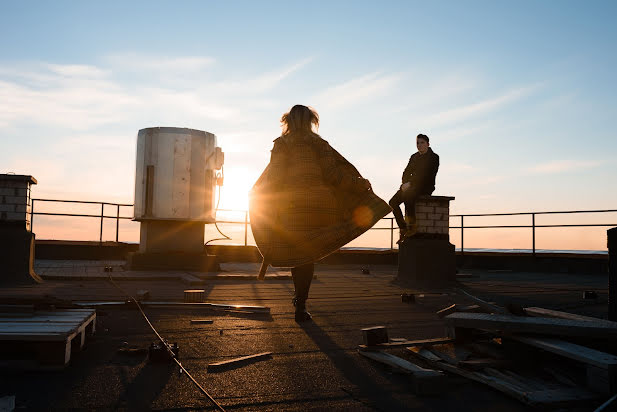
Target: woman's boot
[302, 277]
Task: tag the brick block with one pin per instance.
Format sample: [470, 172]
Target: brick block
[435, 216]
[14, 200]
[22, 208]
[421, 216]
[13, 216]
[442, 210]
[424, 209]
[7, 208]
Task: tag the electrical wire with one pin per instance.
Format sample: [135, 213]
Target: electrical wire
[167, 346]
[225, 237]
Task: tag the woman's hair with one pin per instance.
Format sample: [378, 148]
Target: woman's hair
[300, 118]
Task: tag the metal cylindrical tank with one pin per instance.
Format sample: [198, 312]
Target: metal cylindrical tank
[175, 177]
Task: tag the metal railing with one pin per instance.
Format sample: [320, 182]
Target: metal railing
[101, 216]
[246, 222]
[533, 225]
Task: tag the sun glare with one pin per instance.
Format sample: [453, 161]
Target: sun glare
[235, 190]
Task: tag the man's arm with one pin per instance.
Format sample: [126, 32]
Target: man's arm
[407, 172]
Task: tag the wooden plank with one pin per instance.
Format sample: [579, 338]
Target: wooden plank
[550, 313]
[570, 350]
[481, 363]
[424, 381]
[214, 367]
[405, 343]
[202, 321]
[517, 324]
[400, 363]
[451, 353]
[609, 405]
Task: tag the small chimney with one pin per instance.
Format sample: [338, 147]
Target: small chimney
[16, 237]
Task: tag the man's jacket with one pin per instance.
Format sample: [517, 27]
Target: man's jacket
[421, 171]
[309, 202]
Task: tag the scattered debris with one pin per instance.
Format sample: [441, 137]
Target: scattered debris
[408, 298]
[590, 295]
[375, 335]
[7, 403]
[194, 295]
[131, 351]
[232, 363]
[108, 269]
[366, 271]
[526, 357]
[158, 353]
[202, 321]
[142, 294]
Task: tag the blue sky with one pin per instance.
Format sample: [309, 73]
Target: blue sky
[519, 98]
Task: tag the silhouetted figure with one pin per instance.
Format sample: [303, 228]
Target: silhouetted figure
[308, 202]
[418, 179]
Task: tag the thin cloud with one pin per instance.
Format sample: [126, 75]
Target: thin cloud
[561, 166]
[356, 90]
[479, 108]
[133, 62]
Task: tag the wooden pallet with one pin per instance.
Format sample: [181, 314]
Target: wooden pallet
[44, 338]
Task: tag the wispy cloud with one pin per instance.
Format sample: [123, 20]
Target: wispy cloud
[560, 166]
[134, 62]
[481, 107]
[356, 90]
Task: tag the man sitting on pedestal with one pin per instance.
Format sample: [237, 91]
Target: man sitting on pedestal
[418, 179]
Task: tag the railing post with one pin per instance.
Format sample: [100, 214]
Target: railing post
[611, 242]
[246, 227]
[533, 233]
[391, 233]
[117, 221]
[31, 215]
[462, 237]
[101, 230]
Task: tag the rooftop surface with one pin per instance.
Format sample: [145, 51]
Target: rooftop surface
[314, 366]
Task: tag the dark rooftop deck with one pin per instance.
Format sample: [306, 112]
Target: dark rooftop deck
[314, 366]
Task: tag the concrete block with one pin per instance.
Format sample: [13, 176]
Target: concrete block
[375, 335]
[426, 262]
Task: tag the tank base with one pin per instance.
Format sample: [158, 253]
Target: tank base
[17, 245]
[426, 263]
[198, 262]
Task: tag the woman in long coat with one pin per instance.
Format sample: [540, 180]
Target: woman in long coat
[308, 202]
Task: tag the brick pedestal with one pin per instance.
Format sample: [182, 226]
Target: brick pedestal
[16, 239]
[427, 258]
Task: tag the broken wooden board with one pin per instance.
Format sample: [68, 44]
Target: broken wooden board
[601, 366]
[404, 343]
[517, 324]
[491, 308]
[47, 336]
[564, 396]
[550, 313]
[237, 362]
[425, 381]
[460, 308]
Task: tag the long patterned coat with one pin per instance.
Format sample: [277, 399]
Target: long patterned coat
[309, 202]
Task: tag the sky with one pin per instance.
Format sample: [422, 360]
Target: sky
[518, 98]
